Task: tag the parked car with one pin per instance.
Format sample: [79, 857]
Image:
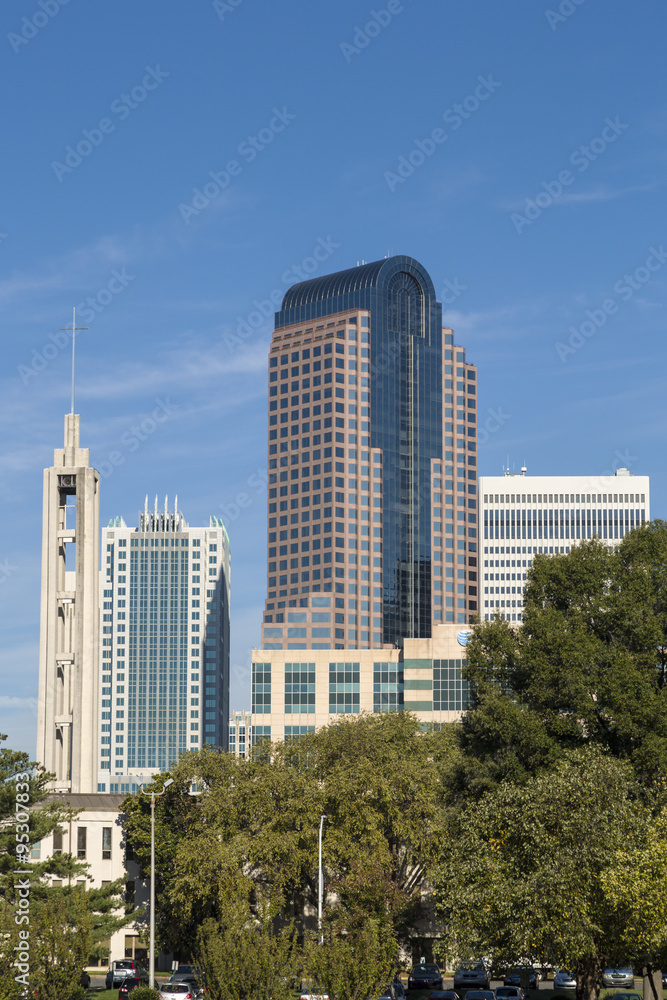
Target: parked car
[182, 990]
[119, 970]
[621, 976]
[130, 983]
[480, 995]
[564, 980]
[182, 972]
[509, 993]
[517, 976]
[443, 995]
[425, 977]
[473, 973]
[394, 991]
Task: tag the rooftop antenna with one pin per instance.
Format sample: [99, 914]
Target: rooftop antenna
[74, 329]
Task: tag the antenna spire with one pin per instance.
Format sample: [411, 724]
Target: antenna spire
[74, 329]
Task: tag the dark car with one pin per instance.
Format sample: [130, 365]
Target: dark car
[131, 983]
[425, 977]
[521, 974]
[183, 972]
[618, 977]
[443, 995]
[394, 991]
[472, 974]
[119, 971]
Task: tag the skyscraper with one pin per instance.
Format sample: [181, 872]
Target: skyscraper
[164, 598]
[372, 509]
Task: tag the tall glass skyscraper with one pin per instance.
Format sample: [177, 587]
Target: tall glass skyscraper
[372, 507]
[164, 599]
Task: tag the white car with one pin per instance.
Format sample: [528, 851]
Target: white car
[564, 980]
[177, 991]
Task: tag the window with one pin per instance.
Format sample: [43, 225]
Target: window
[57, 843]
[299, 687]
[344, 688]
[81, 837]
[106, 843]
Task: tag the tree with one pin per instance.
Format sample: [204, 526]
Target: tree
[537, 870]
[588, 666]
[242, 956]
[353, 966]
[253, 829]
[46, 933]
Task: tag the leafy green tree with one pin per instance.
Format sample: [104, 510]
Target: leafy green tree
[58, 928]
[253, 828]
[353, 966]
[244, 956]
[537, 870]
[588, 666]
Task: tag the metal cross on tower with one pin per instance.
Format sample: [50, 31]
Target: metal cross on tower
[74, 328]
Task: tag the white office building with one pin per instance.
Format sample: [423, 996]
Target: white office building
[521, 516]
[164, 652]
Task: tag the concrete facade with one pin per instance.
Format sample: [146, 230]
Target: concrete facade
[69, 645]
[298, 692]
[521, 516]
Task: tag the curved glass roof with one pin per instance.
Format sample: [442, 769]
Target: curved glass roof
[331, 285]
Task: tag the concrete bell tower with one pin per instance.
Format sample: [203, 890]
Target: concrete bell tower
[67, 722]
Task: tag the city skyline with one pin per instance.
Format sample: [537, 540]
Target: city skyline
[502, 149]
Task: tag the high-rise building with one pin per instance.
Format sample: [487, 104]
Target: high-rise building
[68, 651]
[164, 599]
[372, 507]
[521, 516]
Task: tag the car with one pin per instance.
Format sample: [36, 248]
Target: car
[130, 983]
[473, 973]
[443, 995]
[183, 972]
[618, 976]
[509, 993]
[425, 977]
[480, 995]
[521, 974]
[394, 991]
[119, 970]
[181, 990]
[564, 980]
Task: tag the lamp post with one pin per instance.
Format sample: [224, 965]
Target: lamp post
[319, 884]
[151, 944]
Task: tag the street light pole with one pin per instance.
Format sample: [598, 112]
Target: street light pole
[151, 944]
[320, 880]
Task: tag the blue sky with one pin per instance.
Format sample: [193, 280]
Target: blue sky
[170, 166]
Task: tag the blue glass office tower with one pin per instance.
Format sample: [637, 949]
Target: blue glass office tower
[164, 599]
[372, 518]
